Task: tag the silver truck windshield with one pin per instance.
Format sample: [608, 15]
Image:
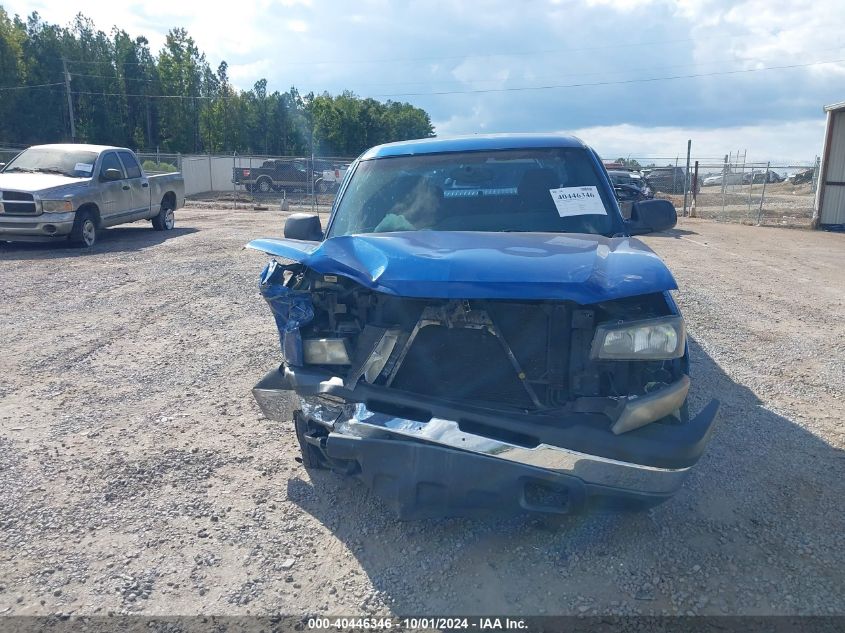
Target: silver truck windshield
[74, 163]
[555, 190]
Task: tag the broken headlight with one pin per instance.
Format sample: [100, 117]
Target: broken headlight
[649, 339]
[325, 351]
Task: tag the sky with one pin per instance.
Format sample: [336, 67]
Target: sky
[630, 77]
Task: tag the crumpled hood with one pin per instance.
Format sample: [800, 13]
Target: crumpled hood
[37, 183]
[483, 265]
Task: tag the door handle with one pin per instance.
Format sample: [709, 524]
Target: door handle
[145, 184]
[126, 187]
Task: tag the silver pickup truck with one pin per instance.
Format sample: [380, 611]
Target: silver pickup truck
[51, 192]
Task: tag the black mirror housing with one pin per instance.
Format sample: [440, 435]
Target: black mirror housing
[303, 226]
[112, 175]
[2, 166]
[650, 216]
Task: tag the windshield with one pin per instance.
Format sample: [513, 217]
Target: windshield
[544, 190]
[50, 160]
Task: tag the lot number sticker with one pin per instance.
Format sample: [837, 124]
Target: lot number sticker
[85, 167]
[578, 201]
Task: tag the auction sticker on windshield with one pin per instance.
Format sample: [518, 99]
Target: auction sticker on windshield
[86, 167]
[578, 201]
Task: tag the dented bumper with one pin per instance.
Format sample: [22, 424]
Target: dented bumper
[428, 458]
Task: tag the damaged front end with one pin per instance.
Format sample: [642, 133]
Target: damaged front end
[461, 406]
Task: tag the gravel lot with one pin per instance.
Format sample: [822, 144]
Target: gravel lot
[137, 474]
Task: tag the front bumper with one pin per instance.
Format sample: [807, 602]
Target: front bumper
[36, 228]
[429, 459]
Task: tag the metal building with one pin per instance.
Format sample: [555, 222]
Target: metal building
[830, 195]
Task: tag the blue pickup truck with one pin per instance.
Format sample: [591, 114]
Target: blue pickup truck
[476, 331]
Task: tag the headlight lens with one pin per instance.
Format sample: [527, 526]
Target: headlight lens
[650, 339]
[325, 351]
[56, 206]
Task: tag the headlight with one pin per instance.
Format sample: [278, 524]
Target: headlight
[56, 206]
[650, 339]
[325, 351]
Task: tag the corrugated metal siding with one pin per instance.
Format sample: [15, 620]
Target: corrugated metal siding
[833, 198]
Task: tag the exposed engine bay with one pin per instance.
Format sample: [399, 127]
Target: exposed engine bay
[526, 356]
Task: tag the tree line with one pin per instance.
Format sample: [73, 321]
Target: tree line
[122, 93]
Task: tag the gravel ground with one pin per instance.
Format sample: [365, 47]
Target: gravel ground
[138, 476]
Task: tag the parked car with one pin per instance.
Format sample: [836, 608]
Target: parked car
[802, 177]
[59, 192]
[331, 179]
[284, 174]
[632, 178]
[626, 196]
[668, 179]
[476, 332]
[730, 178]
[759, 177]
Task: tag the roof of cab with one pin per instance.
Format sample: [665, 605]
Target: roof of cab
[79, 147]
[474, 143]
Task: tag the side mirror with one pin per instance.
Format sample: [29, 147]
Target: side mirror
[303, 226]
[649, 216]
[111, 175]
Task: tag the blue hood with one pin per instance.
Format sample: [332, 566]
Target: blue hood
[483, 265]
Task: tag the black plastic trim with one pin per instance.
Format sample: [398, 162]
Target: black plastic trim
[420, 481]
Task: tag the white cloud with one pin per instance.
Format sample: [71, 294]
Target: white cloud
[298, 26]
[776, 141]
[380, 47]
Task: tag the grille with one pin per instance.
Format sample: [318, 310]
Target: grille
[20, 196]
[461, 364]
[17, 203]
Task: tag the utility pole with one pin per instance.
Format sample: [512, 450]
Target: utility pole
[686, 177]
[69, 102]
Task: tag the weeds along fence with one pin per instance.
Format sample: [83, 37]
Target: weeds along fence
[773, 193]
[257, 179]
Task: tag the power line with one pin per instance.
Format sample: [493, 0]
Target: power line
[121, 94]
[118, 77]
[605, 83]
[592, 74]
[458, 81]
[476, 91]
[392, 60]
[59, 83]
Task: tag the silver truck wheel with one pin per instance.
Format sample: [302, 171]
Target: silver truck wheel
[89, 232]
[165, 219]
[265, 185]
[84, 231]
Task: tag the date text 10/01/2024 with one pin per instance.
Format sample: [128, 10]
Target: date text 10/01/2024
[372, 624]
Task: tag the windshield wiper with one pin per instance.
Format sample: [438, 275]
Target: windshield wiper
[50, 170]
[23, 169]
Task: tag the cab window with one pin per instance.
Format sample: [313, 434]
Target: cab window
[111, 161]
[133, 170]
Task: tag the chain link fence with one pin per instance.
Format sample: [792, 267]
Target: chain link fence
[255, 179]
[774, 193]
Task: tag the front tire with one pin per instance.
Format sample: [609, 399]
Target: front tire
[264, 185]
[84, 232]
[166, 218]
